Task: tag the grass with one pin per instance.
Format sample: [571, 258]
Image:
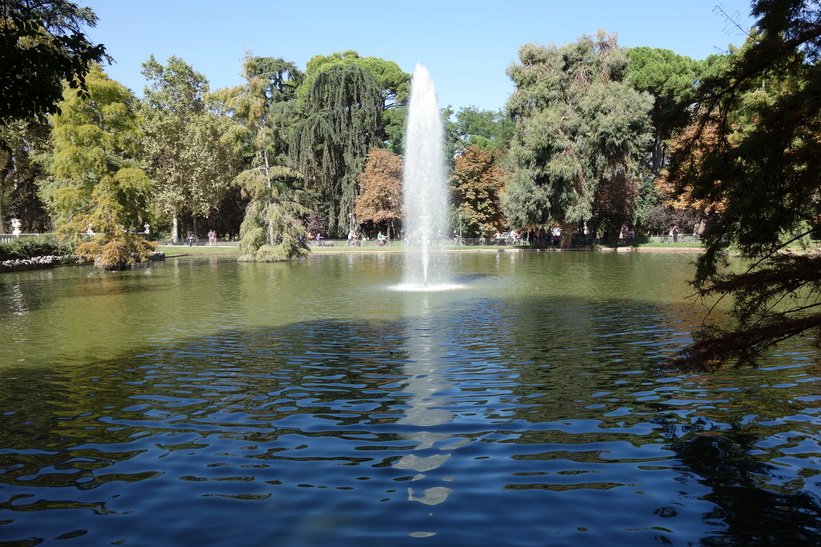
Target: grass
[199, 250]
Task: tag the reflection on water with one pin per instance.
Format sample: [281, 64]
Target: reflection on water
[209, 402]
[425, 344]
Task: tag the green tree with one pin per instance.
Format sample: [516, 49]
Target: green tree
[22, 142]
[184, 143]
[761, 159]
[341, 123]
[272, 227]
[380, 202]
[98, 192]
[394, 88]
[484, 129]
[671, 79]
[42, 45]
[579, 127]
[477, 182]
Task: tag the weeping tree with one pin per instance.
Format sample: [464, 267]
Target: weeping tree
[272, 228]
[342, 120]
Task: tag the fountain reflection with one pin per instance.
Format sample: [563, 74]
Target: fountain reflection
[425, 345]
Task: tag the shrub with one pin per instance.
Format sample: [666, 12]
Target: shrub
[30, 247]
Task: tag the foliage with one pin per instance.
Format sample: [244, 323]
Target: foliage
[394, 88]
[579, 127]
[477, 182]
[341, 123]
[97, 183]
[22, 142]
[184, 143]
[484, 129]
[394, 84]
[30, 247]
[41, 46]
[381, 184]
[315, 223]
[266, 107]
[757, 151]
[272, 228]
[671, 79]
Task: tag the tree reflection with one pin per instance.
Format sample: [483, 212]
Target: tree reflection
[746, 512]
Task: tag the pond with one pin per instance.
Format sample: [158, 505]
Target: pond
[206, 402]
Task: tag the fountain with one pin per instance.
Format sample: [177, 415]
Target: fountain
[425, 189]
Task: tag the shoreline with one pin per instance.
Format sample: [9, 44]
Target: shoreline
[175, 251]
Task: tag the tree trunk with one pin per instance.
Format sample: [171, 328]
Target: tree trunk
[567, 235]
[175, 229]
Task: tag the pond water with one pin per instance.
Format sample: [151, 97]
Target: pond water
[205, 402]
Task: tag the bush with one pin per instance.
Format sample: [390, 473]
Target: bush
[30, 247]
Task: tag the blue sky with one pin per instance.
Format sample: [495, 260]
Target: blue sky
[466, 45]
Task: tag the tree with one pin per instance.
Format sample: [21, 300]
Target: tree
[381, 184]
[184, 143]
[671, 79]
[393, 82]
[484, 129]
[98, 193]
[41, 46]
[272, 228]
[341, 123]
[579, 126]
[477, 182]
[763, 163]
[22, 143]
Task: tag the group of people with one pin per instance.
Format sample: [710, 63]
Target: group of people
[212, 238]
[538, 238]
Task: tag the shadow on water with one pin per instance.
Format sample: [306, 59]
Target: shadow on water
[515, 419]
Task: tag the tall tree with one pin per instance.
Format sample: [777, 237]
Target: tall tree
[264, 107]
[98, 195]
[342, 122]
[578, 126]
[42, 44]
[671, 79]
[394, 88]
[380, 202]
[184, 143]
[477, 182]
[758, 153]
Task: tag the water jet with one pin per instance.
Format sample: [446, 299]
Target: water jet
[425, 189]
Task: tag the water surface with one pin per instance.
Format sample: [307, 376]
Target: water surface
[207, 402]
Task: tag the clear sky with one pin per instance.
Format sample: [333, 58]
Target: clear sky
[466, 45]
